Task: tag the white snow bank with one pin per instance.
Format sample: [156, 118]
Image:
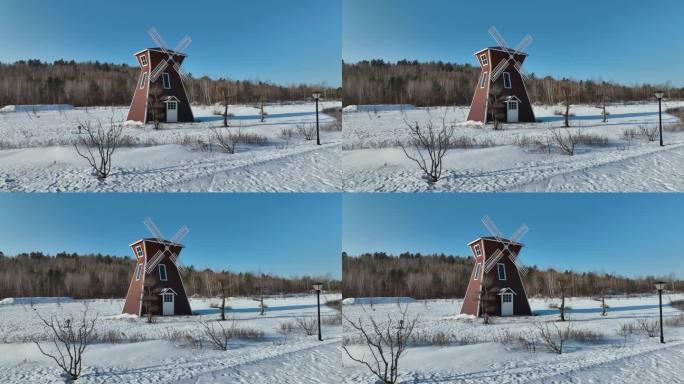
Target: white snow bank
[36, 107]
[35, 300]
[377, 300]
[378, 107]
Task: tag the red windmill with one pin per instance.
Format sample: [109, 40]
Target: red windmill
[500, 93]
[156, 284]
[497, 291]
[165, 100]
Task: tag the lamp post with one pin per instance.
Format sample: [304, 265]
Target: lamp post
[318, 287]
[317, 95]
[660, 286]
[659, 95]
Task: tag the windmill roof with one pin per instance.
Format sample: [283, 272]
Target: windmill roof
[155, 240]
[509, 50]
[158, 49]
[492, 238]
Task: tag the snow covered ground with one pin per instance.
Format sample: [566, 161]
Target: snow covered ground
[516, 158]
[36, 152]
[475, 353]
[158, 357]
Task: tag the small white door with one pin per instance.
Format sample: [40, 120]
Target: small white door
[171, 112]
[507, 304]
[168, 299]
[512, 111]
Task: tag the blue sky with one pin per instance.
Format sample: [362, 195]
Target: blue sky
[629, 41]
[629, 234]
[270, 40]
[285, 234]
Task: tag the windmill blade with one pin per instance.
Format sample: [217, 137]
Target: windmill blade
[174, 258]
[521, 268]
[526, 41]
[153, 228]
[491, 226]
[183, 44]
[152, 263]
[489, 264]
[157, 71]
[182, 232]
[525, 76]
[181, 73]
[498, 70]
[157, 39]
[497, 36]
[519, 233]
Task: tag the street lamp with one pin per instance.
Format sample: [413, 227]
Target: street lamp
[318, 287]
[317, 95]
[660, 286]
[659, 95]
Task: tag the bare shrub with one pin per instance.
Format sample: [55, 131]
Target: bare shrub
[287, 327]
[335, 319]
[553, 336]
[307, 325]
[564, 139]
[592, 139]
[650, 328]
[98, 145]
[307, 131]
[650, 133]
[224, 139]
[677, 321]
[332, 127]
[217, 334]
[335, 304]
[288, 133]
[679, 304]
[70, 338]
[434, 141]
[586, 335]
[386, 343]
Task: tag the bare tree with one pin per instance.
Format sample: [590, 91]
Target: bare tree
[307, 131]
[151, 299]
[155, 106]
[567, 91]
[386, 343]
[70, 338]
[488, 299]
[223, 301]
[98, 146]
[217, 334]
[601, 298]
[562, 308]
[225, 103]
[434, 141]
[262, 114]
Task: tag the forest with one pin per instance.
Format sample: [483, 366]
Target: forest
[104, 84]
[444, 277]
[95, 276]
[425, 84]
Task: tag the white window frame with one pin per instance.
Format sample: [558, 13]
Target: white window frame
[138, 272]
[143, 61]
[138, 251]
[512, 102]
[501, 267]
[507, 75]
[506, 295]
[169, 295]
[166, 275]
[170, 103]
[478, 267]
[166, 80]
[143, 80]
[483, 81]
[484, 60]
[478, 250]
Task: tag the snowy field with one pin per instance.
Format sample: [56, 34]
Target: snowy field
[37, 154]
[154, 353]
[517, 158]
[476, 353]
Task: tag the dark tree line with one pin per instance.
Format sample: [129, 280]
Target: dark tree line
[439, 83]
[104, 84]
[103, 276]
[442, 276]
